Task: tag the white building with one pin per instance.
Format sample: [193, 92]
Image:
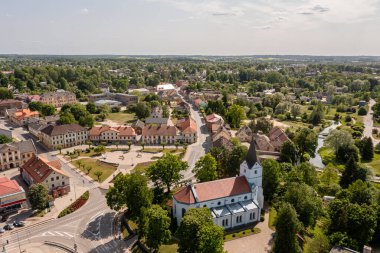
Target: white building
[233, 202]
[165, 87]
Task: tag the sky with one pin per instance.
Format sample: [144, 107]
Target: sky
[190, 27]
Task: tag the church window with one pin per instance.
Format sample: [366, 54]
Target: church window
[204, 205]
[245, 197]
[227, 222]
[223, 223]
[183, 212]
[255, 171]
[219, 203]
[232, 200]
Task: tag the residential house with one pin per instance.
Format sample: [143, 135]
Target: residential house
[138, 125]
[244, 134]
[233, 202]
[263, 143]
[188, 128]
[156, 121]
[35, 129]
[63, 136]
[58, 98]
[15, 154]
[214, 122]
[12, 195]
[22, 117]
[221, 132]
[122, 134]
[157, 134]
[156, 112]
[199, 103]
[38, 170]
[140, 91]
[10, 104]
[165, 87]
[277, 138]
[223, 142]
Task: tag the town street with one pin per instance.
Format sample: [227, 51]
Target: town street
[368, 122]
[90, 227]
[198, 149]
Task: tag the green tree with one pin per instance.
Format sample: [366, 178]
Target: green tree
[142, 143]
[5, 93]
[289, 152]
[366, 149]
[129, 143]
[158, 225]
[195, 222]
[306, 202]
[271, 178]
[38, 196]
[142, 110]
[362, 111]
[317, 114]
[167, 171]
[130, 190]
[361, 193]
[47, 110]
[231, 161]
[205, 168]
[262, 124]
[98, 174]
[35, 106]
[235, 115]
[66, 118]
[351, 173]
[163, 144]
[5, 139]
[100, 149]
[87, 121]
[91, 107]
[338, 139]
[287, 227]
[306, 141]
[88, 169]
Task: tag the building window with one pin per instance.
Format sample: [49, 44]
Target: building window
[52, 185]
[245, 197]
[183, 212]
[52, 179]
[226, 222]
[255, 171]
[252, 216]
[63, 183]
[232, 200]
[238, 219]
[223, 223]
[219, 203]
[57, 177]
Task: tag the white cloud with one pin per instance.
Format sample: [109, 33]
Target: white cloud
[84, 11]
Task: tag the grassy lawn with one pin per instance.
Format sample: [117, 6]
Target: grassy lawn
[374, 165]
[242, 233]
[96, 165]
[141, 167]
[121, 117]
[171, 247]
[272, 218]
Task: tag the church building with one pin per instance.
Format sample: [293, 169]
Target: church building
[233, 201]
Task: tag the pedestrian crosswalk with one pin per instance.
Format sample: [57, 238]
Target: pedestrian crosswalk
[58, 233]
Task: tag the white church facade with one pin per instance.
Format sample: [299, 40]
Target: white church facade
[233, 201]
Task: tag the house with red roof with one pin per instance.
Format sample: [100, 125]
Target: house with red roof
[38, 170]
[233, 201]
[22, 117]
[214, 122]
[123, 134]
[12, 195]
[189, 130]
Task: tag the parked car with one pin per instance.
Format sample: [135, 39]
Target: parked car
[9, 227]
[18, 224]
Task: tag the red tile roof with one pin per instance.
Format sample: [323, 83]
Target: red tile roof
[20, 114]
[160, 130]
[187, 126]
[8, 187]
[212, 118]
[122, 130]
[213, 190]
[39, 168]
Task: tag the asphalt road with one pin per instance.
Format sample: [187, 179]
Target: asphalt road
[198, 149]
[90, 228]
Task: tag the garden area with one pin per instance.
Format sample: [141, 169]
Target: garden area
[76, 205]
[141, 167]
[92, 167]
[231, 235]
[121, 117]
